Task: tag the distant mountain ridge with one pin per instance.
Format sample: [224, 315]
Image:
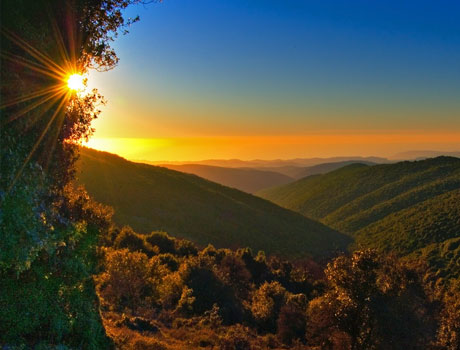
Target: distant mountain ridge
[152, 198]
[420, 155]
[260, 163]
[245, 179]
[324, 168]
[252, 180]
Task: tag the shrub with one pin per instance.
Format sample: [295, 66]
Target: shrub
[169, 260]
[161, 240]
[266, 305]
[126, 280]
[236, 338]
[129, 239]
[185, 248]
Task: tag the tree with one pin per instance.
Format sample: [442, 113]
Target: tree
[266, 305]
[291, 323]
[373, 302]
[449, 328]
[126, 280]
[44, 236]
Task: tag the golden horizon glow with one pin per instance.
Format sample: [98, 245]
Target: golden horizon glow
[75, 82]
[275, 147]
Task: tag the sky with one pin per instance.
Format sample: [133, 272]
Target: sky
[273, 79]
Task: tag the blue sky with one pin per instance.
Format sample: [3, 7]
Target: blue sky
[204, 68]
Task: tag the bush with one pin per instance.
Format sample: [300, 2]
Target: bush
[236, 338]
[185, 248]
[126, 280]
[266, 305]
[161, 240]
[169, 260]
[129, 239]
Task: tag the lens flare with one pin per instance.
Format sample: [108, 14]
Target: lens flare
[75, 82]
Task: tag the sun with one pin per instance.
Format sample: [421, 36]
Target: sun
[76, 82]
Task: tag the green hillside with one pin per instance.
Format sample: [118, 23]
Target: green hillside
[340, 196]
[443, 258]
[244, 179]
[299, 172]
[431, 221]
[402, 207]
[154, 198]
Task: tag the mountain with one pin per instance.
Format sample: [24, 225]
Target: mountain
[151, 198]
[443, 259]
[245, 179]
[289, 170]
[434, 220]
[401, 207]
[419, 155]
[256, 179]
[327, 167]
[275, 163]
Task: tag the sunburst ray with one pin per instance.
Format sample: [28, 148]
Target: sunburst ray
[31, 96]
[59, 93]
[37, 143]
[41, 57]
[34, 66]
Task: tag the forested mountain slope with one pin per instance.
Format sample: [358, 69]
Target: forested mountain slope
[244, 179]
[299, 172]
[399, 207]
[154, 198]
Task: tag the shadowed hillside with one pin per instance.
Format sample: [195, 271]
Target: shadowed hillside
[154, 198]
[326, 167]
[299, 172]
[244, 179]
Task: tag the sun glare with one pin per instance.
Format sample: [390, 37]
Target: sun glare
[75, 82]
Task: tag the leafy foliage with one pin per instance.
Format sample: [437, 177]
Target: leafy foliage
[48, 230]
[374, 303]
[449, 330]
[218, 298]
[53, 299]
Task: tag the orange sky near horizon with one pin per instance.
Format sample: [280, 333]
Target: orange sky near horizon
[275, 147]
